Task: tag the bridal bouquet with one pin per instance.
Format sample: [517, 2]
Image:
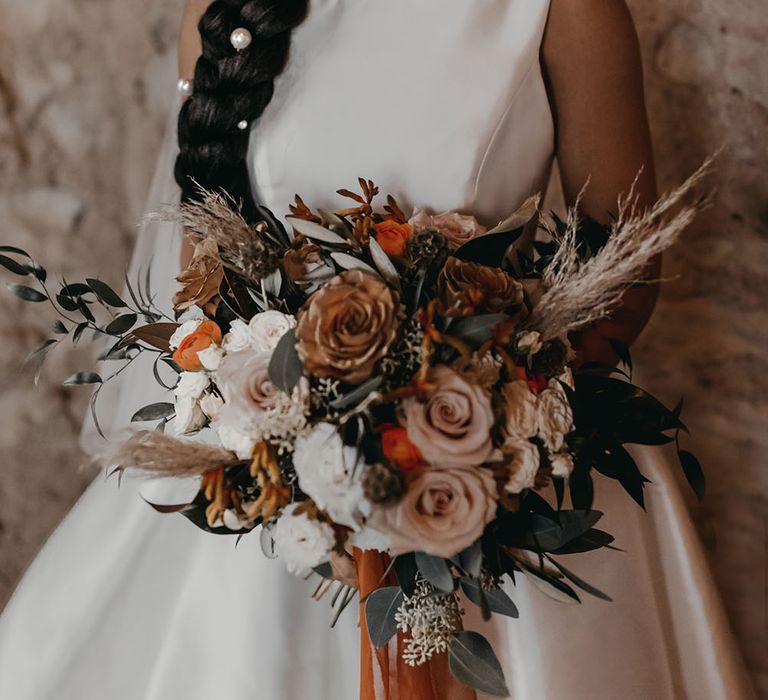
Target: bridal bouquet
[385, 397]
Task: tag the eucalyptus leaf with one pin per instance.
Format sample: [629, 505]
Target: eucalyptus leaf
[27, 293]
[38, 271]
[589, 541]
[476, 330]
[83, 378]
[105, 293]
[16, 268]
[358, 394]
[497, 600]
[550, 586]
[285, 368]
[385, 266]
[350, 262]
[316, 232]
[581, 583]
[380, 609]
[693, 473]
[14, 250]
[59, 327]
[121, 324]
[471, 559]
[473, 663]
[66, 302]
[406, 572]
[436, 571]
[81, 328]
[155, 411]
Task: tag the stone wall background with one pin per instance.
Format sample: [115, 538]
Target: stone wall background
[84, 92]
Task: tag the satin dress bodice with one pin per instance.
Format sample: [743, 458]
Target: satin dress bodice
[442, 104]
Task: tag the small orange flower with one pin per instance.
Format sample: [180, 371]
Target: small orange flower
[393, 237]
[399, 449]
[208, 333]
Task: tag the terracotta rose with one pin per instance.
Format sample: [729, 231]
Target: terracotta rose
[469, 287]
[443, 512]
[347, 326]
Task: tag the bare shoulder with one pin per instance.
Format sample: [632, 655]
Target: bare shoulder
[588, 28]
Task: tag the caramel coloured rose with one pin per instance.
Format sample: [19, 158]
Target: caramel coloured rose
[347, 326]
[452, 425]
[443, 512]
[201, 281]
[469, 287]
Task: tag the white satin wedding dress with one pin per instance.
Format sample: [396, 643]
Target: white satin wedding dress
[442, 102]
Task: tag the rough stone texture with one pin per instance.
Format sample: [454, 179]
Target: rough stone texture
[84, 88]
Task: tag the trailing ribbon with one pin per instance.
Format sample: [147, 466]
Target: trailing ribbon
[383, 673]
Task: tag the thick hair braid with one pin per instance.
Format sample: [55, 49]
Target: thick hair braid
[231, 86]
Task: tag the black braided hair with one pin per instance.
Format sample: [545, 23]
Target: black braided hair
[231, 86]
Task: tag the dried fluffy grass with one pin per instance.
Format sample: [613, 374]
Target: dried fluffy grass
[243, 248]
[156, 454]
[580, 293]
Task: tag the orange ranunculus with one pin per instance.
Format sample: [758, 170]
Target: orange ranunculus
[399, 449]
[393, 237]
[208, 333]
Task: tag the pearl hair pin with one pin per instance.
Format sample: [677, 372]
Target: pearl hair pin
[242, 125]
[241, 38]
[186, 87]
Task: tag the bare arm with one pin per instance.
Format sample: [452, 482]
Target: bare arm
[592, 60]
[190, 49]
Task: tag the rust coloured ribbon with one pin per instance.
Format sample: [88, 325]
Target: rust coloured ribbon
[383, 673]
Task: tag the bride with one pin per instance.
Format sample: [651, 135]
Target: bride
[455, 104]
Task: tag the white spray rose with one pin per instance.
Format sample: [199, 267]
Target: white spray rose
[211, 357]
[529, 342]
[238, 338]
[211, 404]
[330, 473]
[302, 543]
[187, 393]
[523, 463]
[562, 464]
[554, 416]
[268, 328]
[520, 403]
[185, 329]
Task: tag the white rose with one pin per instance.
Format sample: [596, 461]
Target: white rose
[212, 406]
[554, 416]
[238, 338]
[330, 473]
[233, 439]
[185, 329]
[520, 402]
[529, 342]
[562, 464]
[268, 328]
[189, 416]
[567, 378]
[191, 385]
[523, 463]
[301, 542]
[211, 357]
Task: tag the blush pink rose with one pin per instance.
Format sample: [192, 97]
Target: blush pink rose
[452, 426]
[443, 512]
[457, 228]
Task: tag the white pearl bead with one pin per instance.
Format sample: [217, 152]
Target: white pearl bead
[185, 87]
[243, 125]
[241, 38]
